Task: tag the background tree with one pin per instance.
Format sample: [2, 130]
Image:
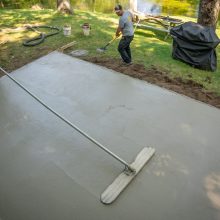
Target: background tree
[64, 6]
[208, 12]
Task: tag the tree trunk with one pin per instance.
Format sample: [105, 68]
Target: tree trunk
[208, 12]
[64, 6]
[93, 5]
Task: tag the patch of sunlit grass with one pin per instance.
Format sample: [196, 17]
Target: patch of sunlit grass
[109, 19]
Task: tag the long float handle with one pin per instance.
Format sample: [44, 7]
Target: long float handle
[127, 166]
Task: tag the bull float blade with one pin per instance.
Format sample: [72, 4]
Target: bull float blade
[122, 181]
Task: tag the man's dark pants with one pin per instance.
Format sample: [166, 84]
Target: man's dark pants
[124, 48]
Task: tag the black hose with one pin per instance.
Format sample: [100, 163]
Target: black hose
[39, 39]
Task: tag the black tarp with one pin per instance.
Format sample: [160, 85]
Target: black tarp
[195, 44]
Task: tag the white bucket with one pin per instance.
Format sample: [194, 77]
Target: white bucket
[86, 29]
[67, 31]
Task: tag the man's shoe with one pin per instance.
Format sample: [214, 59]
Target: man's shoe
[125, 64]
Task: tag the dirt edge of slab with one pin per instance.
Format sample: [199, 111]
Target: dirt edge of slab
[161, 78]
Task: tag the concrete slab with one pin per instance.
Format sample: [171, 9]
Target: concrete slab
[49, 171]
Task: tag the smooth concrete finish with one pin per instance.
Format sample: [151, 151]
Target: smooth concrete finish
[50, 172]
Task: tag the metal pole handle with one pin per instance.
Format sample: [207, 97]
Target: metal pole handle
[127, 166]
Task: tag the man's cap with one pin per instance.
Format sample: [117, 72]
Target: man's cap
[118, 8]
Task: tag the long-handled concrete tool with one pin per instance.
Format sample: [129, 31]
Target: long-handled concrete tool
[127, 175]
[103, 49]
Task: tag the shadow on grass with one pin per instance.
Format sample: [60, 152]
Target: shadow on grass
[150, 33]
[12, 18]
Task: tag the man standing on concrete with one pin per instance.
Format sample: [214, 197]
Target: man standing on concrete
[125, 28]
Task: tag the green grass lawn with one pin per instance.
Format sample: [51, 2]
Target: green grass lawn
[148, 48]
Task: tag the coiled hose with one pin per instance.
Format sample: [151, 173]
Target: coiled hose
[41, 37]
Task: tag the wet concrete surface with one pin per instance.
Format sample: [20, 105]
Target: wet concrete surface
[49, 171]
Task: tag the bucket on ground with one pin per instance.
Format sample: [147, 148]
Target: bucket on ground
[67, 30]
[86, 29]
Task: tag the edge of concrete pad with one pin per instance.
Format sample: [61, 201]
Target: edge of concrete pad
[143, 81]
[171, 91]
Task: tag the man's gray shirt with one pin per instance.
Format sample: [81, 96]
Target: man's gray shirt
[125, 23]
